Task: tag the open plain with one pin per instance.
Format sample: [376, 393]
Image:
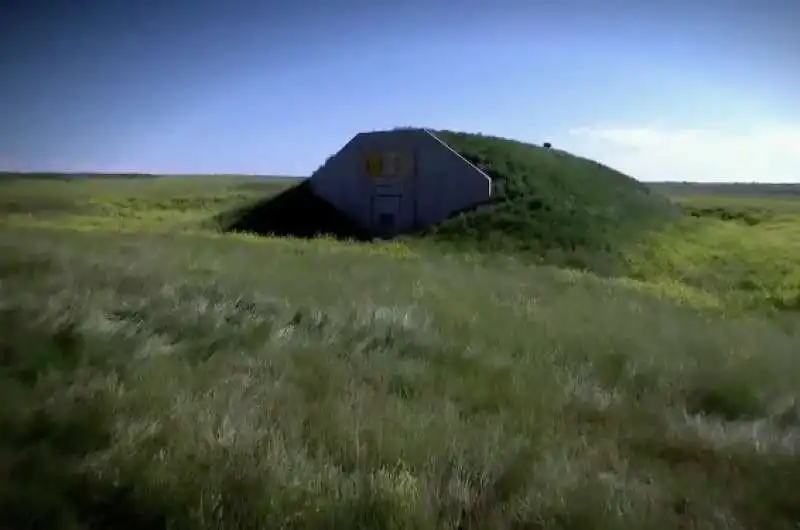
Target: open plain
[160, 371]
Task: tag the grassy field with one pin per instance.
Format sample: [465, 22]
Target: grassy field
[744, 250]
[158, 373]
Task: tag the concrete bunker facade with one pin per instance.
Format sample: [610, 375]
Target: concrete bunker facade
[398, 181]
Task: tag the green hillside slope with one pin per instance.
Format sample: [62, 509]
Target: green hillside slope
[559, 206]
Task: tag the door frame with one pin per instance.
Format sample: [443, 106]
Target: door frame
[398, 213]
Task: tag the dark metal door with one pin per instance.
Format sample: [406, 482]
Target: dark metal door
[386, 214]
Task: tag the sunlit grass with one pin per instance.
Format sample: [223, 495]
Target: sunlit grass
[749, 264]
[158, 373]
[210, 381]
[738, 253]
[156, 205]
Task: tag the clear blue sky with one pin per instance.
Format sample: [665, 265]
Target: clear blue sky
[695, 90]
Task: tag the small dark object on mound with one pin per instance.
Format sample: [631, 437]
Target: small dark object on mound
[295, 212]
[547, 145]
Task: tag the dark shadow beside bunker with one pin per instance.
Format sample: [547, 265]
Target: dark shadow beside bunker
[296, 212]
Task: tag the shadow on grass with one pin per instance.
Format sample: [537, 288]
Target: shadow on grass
[43, 480]
[296, 212]
[748, 216]
[36, 205]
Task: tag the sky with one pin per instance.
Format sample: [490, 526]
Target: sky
[701, 90]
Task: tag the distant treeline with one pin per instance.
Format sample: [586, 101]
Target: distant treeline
[727, 188]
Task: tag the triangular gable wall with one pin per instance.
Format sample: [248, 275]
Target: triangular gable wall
[470, 164]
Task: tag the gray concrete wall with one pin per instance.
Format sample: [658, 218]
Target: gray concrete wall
[439, 182]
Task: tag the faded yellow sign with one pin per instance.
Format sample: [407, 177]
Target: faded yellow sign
[373, 164]
[389, 164]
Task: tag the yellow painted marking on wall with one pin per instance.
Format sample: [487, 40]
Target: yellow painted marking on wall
[373, 164]
[389, 164]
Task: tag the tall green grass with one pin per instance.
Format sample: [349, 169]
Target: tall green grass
[746, 250]
[181, 381]
[160, 374]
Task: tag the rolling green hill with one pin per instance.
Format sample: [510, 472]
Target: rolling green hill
[563, 208]
[555, 207]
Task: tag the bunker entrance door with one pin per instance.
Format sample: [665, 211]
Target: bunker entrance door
[385, 214]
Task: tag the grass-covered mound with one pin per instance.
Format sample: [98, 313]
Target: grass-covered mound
[564, 208]
[552, 205]
[294, 212]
